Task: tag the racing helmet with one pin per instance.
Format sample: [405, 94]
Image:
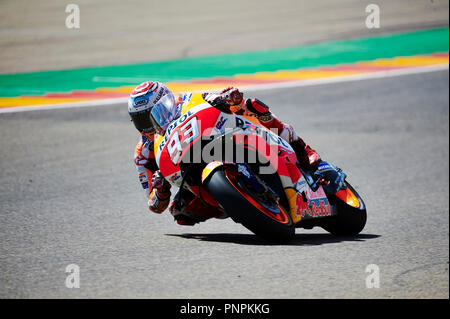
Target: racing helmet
[152, 107]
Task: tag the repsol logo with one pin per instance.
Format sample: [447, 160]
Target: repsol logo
[173, 125]
[267, 135]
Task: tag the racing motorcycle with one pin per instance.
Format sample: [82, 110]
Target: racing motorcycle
[236, 165]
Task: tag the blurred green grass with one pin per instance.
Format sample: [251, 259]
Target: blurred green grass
[321, 54]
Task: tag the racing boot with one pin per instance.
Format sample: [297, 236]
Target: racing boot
[188, 210]
[308, 158]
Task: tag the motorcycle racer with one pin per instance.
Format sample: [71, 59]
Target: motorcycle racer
[150, 96]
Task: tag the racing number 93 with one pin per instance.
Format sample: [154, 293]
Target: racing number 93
[181, 138]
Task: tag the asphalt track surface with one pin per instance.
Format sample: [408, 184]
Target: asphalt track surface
[69, 194]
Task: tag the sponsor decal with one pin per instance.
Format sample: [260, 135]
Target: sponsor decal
[140, 101]
[301, 185]
[221, 122]
[186, 99]
[316, 207]
[174, 177]
[267, 135]
[243, 170]
[325, 167]
[159, 96]
[172, 126]
[320, 207]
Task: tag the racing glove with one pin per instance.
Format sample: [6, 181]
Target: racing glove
[160, 196]
[228, 100]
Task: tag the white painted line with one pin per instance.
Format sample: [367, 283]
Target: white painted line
[135, 81]
[64, 105]
[345, 78]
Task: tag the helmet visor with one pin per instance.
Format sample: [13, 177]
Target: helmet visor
[164, 112]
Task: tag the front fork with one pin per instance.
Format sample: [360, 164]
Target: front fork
[306, 198]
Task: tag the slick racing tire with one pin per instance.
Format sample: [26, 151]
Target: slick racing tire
[349, 220]
[270, 223]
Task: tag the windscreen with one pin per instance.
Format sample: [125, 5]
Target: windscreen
[165, 111]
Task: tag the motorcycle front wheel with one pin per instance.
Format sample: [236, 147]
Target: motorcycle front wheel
[351, 215]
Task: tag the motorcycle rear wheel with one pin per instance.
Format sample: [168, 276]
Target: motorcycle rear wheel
[247, 210]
